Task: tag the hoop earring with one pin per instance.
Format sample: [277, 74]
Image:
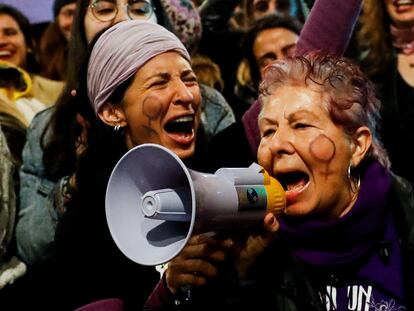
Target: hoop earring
[350, 177]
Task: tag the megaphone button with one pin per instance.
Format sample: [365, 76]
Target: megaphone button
[252, 196]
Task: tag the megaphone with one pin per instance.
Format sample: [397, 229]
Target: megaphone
[154, 203]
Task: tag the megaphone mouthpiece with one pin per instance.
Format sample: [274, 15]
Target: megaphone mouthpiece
[165, 204]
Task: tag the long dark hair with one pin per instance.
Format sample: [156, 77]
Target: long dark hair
[103, 146]
[58, 145]
[53, 48]
[374, 39]
[83, 228]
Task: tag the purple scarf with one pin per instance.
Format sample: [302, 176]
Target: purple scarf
[337, 242]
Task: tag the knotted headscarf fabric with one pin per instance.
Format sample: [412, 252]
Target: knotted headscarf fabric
[121, 51]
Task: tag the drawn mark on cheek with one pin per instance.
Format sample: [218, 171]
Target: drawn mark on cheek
[323, 149]
[152, 109]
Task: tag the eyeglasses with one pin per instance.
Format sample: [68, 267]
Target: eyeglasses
[105, 10]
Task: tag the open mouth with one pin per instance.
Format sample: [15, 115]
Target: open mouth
[5, 53]
[399, 3]
[181, 129]
[293, 181]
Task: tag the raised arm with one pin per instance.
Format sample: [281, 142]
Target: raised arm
[328, 27]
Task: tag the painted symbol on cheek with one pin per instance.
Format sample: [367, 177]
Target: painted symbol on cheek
[152, 109]
[323, 149]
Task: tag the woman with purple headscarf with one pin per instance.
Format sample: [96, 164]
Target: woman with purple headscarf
[137, 87]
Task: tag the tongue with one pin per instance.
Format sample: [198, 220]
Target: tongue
[297, 185]
[182, 138]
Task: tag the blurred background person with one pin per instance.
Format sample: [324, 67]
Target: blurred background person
[24, 93]
[270, 38]
[54, 42]
[386, 41]
[17, 47]
[222, 36]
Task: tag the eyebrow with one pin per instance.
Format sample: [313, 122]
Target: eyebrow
[286, 49]
[298, 113]
[162, 75]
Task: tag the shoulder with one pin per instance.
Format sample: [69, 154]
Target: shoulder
[37, 127]
[45, 90]
[212, 96]
[402, 203]
[45, 82]
[403, 188]
[42, 117]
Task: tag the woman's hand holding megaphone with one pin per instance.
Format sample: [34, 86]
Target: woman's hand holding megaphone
[255, 244]
[197, 262]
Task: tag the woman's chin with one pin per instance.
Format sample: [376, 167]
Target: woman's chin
[183, 152]
[296, 210]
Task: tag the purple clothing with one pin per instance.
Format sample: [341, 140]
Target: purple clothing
[336, 242]
[377, 285]
[338, 245]
[332, 21]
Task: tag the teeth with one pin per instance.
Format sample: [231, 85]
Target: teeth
[5, 53]
[403, 2]
[295, 187]
[183, 119]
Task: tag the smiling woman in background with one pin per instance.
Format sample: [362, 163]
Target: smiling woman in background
[386, 39]
[54, 43]
[17, 48]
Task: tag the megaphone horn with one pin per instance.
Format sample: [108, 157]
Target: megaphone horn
[154, 203]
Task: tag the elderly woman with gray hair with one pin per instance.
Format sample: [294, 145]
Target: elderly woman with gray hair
[345, 239]
[138, 87]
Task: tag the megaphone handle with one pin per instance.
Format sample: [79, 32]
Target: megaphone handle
[184, 295]
[187, 292]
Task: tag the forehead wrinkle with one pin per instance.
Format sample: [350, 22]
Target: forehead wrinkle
[291, 116]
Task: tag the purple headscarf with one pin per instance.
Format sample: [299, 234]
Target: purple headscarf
[119, 53]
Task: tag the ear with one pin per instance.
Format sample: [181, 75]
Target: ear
[112, 115]
[362, 143]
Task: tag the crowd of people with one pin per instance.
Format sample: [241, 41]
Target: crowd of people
[220, 84]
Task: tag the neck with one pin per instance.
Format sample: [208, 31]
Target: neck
[403, 39]
[348, 207]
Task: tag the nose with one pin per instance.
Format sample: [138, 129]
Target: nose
[3, 40]
[281, 144]
[182, 94]
[122, 15]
